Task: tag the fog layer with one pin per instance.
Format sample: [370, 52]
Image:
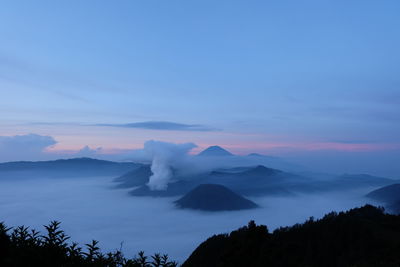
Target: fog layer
[89, 209]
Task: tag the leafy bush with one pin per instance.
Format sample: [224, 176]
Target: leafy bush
[23, 246]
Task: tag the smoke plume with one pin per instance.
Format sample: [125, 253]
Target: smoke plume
[164, 156]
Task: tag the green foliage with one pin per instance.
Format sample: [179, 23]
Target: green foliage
[22, 246]
[360, 237]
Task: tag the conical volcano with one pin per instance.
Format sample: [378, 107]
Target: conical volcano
[215, 151]
[214, 197]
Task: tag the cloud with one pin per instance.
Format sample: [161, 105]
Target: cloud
[34, 147]
[24, 147]
[352, 141]
[149, 125]
[162, 125]
[88, 210]
[86, 151]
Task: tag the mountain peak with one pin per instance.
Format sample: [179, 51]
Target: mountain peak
[260, 170]
[215, 151]
[214, 197]
[255, 155]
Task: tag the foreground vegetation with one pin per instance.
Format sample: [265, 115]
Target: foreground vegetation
[27, 247]
[365, 236]
[360, 237]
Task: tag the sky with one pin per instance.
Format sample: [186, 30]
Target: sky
[307, 80]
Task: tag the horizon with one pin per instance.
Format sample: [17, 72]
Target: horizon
[314, 83]
[199, 133]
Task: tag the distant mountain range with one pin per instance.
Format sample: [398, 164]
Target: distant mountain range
[248, 181]
[218, 154]
[256, 180]
[66, 167]
[217, 151]
[214, 197]
[251, 181]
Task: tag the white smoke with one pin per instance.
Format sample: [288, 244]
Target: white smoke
[164, 156]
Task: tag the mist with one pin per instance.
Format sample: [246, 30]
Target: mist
[89, 209]
[85, 199]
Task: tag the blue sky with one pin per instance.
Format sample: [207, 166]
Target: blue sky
[266, 76]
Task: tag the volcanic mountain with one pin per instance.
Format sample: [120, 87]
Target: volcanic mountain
[214, 151]
[136, 177]
[256, 180]
[249, 181]
[214, 197]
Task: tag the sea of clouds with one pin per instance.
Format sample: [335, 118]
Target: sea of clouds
[89, 208]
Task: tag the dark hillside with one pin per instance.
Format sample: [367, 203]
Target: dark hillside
[360, 237]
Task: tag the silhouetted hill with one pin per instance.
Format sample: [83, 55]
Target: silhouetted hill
[214, 151]
[360, 237]
[390, 193]
[389, 196]
[75, 166]
[213, 197]
[136, 177]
